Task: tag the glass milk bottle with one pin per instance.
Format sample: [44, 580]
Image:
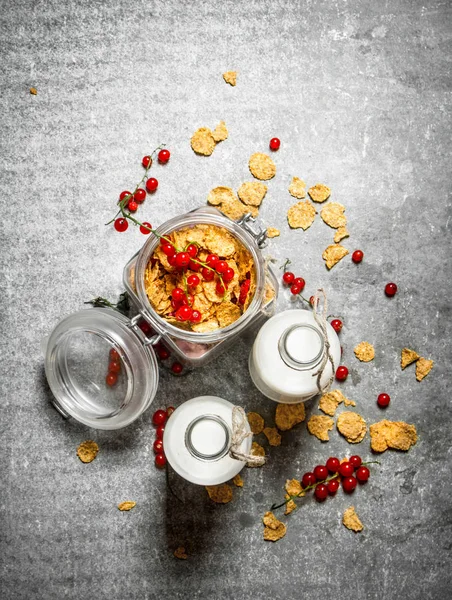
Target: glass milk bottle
[198, 437]
[287, 354]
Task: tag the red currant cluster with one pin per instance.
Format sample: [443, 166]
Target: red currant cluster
[296, 283]
[159, 418]
[114, 368]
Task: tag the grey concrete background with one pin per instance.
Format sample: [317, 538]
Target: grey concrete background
[360, 94]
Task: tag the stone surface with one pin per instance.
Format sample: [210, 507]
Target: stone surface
[359, 94]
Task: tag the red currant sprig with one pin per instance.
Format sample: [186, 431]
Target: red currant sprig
[297, 284]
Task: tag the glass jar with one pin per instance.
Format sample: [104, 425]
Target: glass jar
[286, 356]
[197, 439]
[192, 348]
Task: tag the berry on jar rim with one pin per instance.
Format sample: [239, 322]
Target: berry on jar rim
[341, 373]
[288, 277]
[121, 224]
[390, 289]
[336, 324]
[357, 256]
[164, 156]
[383, 400]
[152, 184]
[275, 144]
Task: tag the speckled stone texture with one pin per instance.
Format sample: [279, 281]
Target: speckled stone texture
[359, 93]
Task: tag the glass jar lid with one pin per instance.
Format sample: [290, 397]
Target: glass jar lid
[100, 368]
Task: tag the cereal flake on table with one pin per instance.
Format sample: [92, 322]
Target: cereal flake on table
[230, 77]
[301, 215]
[340, 234]
[272, 232]
[333, 254]
[293, 488]
[33, 91]
[127, 505]
[180, 553]
[319, 192]
[352, 426]
[297, 188]
[237, 480]
[319, 425]
[423, 368]
[252, 193]
[87, 451]
[351, 520]
[262, 166]
[330, 401]
[408, 357]
[272, 435]
[364, 352]
[333, 215]
[202, 141]
[289, 415]
[256, 450]
[221, 494]
[274, 529]
[220, 133]
[392, 434]
[256, 422]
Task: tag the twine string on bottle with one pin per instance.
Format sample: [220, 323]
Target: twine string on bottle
[327, 356]
[239, 434]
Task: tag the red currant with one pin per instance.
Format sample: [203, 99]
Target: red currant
[121, 224]
[145, 327]
[178, 294]
[221, 266]
[349, 484]
[164, 156]
[177, 368]
[300, 282]
[390, 289]
[341, 373]
[212, 260]
[336, 324]
[163, 353]
[194, 266]
[114, 367]
[111, 379]
[159, 417]
[132, 206]
[275, 143]
[295, 289]
[159, 432]
[362, 474]
[160, 460]
[182, 260]
[145, 228]
[311, 300]
[228, 275]
[158, 446]
[320, 472]
[114, 354]
[321, 492]
[288, 277]
[152, 184]
[193, 280]
[332, 486]
[220, 288]
[333, 464]
[146, 162]
[192, 250]
[357, 256]
[196, 316]
[346, 469]
[355, 460]
[124, 195]
[140, 195]
[207, 274]
[383, 400]
[183, 313]
[308, 479]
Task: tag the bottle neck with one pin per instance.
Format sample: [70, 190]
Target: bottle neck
[208, 438]
[301, 347]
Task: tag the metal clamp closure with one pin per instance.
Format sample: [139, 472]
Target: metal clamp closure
[148, 341]
[256, 232]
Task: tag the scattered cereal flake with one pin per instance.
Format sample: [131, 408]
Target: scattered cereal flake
[230, 77]
[272, 435]
[351, 520]
[340, 234]
[301, 215]
[256, 450]
[227, 313]
[87, 451]
[364, 352]
[234, 209]
[333, 254]
[330, 401]
[127, 505]
[202, 141]
[423, 368]
[392, 434]
[220, 133]
[319, 192]
[221, 494]
[348, 402]
[289, 415]
[293, 488]
[272, 232]
[262, 166]
[33, 91]
[220, 194]
[333, 215]
[252, 192]
[319, 425]
[180, 553]
[297, 188]
[352, 426]
[256, 422]
[274, 529]
[237, 480]
[408, 357]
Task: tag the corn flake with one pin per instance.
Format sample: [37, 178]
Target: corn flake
[261, 166]
[252, 192]
[272, 232]
[297, 188]
[319, 192]
[289, 415]
[352, 426]
[220, 194]
[127, 505]
[330, 401]
[408, 357]
[220, 133]
[256, 422]
[227, 313]
[319, 425]
[333, 215]
[237, 481]
[340, 234]
[230, 77]
[301, 215]
[293, 488]
[392, 434]
[221, 494]
[333, 254]
[364, 352]
[202, 141]
[87, 451]
[423, 368]
[205, 326]
[180, 553]
[351, 520]
[274, 529]
[220, 242]
[272, 435]
[256, 450]
[33, 91]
